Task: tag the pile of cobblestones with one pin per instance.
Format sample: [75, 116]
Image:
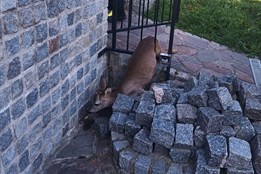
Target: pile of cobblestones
[188, 125]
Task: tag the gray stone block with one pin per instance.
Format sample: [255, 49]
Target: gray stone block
[148, 96]
[117, 122]
[257, 127]
[162, 132]
[28, 60]
[199, 137]
[5, 140]
[10, 23]
[5, 119]
[216, 150]
[101, 127]
[227, 131]
[32, 98]
[202, 166]
[184, 135]
[7, 5]
[117, 136]
[158, 167]
[123, 103]
[183, 98]
[165, 112]
[2, 74]
[244, 129]
[41, 52]
[23, 2]
[159, 149]
[170, 96]
[12, 46]
[126, 160]
[18, 108]
[219, 98]
[238, 171]
[186, 113]
[234, 109]
[175, 169]
[40, 12]
[253, 109]
[256, 152]
[14, 68]
[41, 32]
[198, 96]
[131, 128]
[142, 164]
[144, 113]
[239, 154]
[228, 82]
[26, 17]
[180, 155]
[28, 38]
[210, 120]
[4, 98]
[142, 143]
[22, 144]
[204, 78]
[118, 146]
[247, 90]
[52, 8]
[8, 156]
[24, 161]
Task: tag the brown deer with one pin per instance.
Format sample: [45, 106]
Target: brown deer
[139, 73]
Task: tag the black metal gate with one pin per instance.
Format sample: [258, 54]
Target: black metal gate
[138, 24]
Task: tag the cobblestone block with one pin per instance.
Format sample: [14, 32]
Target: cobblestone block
[131, 128]
[117, 136]
[142, 143]
[10, 23]
[44, 87]
[26, 17]
[8, 4]
[144, 113]
[24, 161]
[117, 122]
[28, 60]
[32, 98]
[18, 108]
[52, 8]
[219, 98]
[165, 112]
[238, 171]
[41, 32]
[34, 114]
[228, 82]
[234, 109]
[256, 152]
[158, 167]
[239, 154]
[2, 74]
[5, 140]
[198, 97]
[43, 69]
[78, 30]
[148, 96]
[159, 149]
[64, 70]
[37, 162]
[216, 147]
[20, 127]
[180, 155]
[8, 156]
[39, 12]
[64, 39]
[210, 120]
[228, 131]
[101, 127]
[41, 52]
[23, 2]
[247, 90]
[22, 144]
[70, 18]
[4, 98]
[204, 78]
[126, 160]
[175, 169]
[257, 127]
[202, 166]
[142, 164]
[28, 38]
[54, 79]
[186, 113]
[253, 109]
[17, 88]
[4, 119]
[119, 146]
[162, 132]
[170, 96]
[199, 137]
[183, 98]
[244, 129]
[12, 46]
[14, 68]
[184, 135]
[123, 104]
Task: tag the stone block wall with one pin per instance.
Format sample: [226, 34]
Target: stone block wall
[49, 70]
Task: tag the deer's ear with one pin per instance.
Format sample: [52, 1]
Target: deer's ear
[102, 85]
[108, 90]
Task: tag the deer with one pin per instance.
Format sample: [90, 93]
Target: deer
[140, 71]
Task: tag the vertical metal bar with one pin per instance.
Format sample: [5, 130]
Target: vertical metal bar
[139, 13]
[114, 23]
[142, 22]
[157, 15]
[148, 8]
[129, 22]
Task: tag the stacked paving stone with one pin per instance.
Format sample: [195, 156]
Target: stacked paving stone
[197, 127]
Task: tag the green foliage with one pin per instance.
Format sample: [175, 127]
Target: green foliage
[234, 23]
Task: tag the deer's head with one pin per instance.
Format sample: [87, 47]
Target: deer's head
[104, 98]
